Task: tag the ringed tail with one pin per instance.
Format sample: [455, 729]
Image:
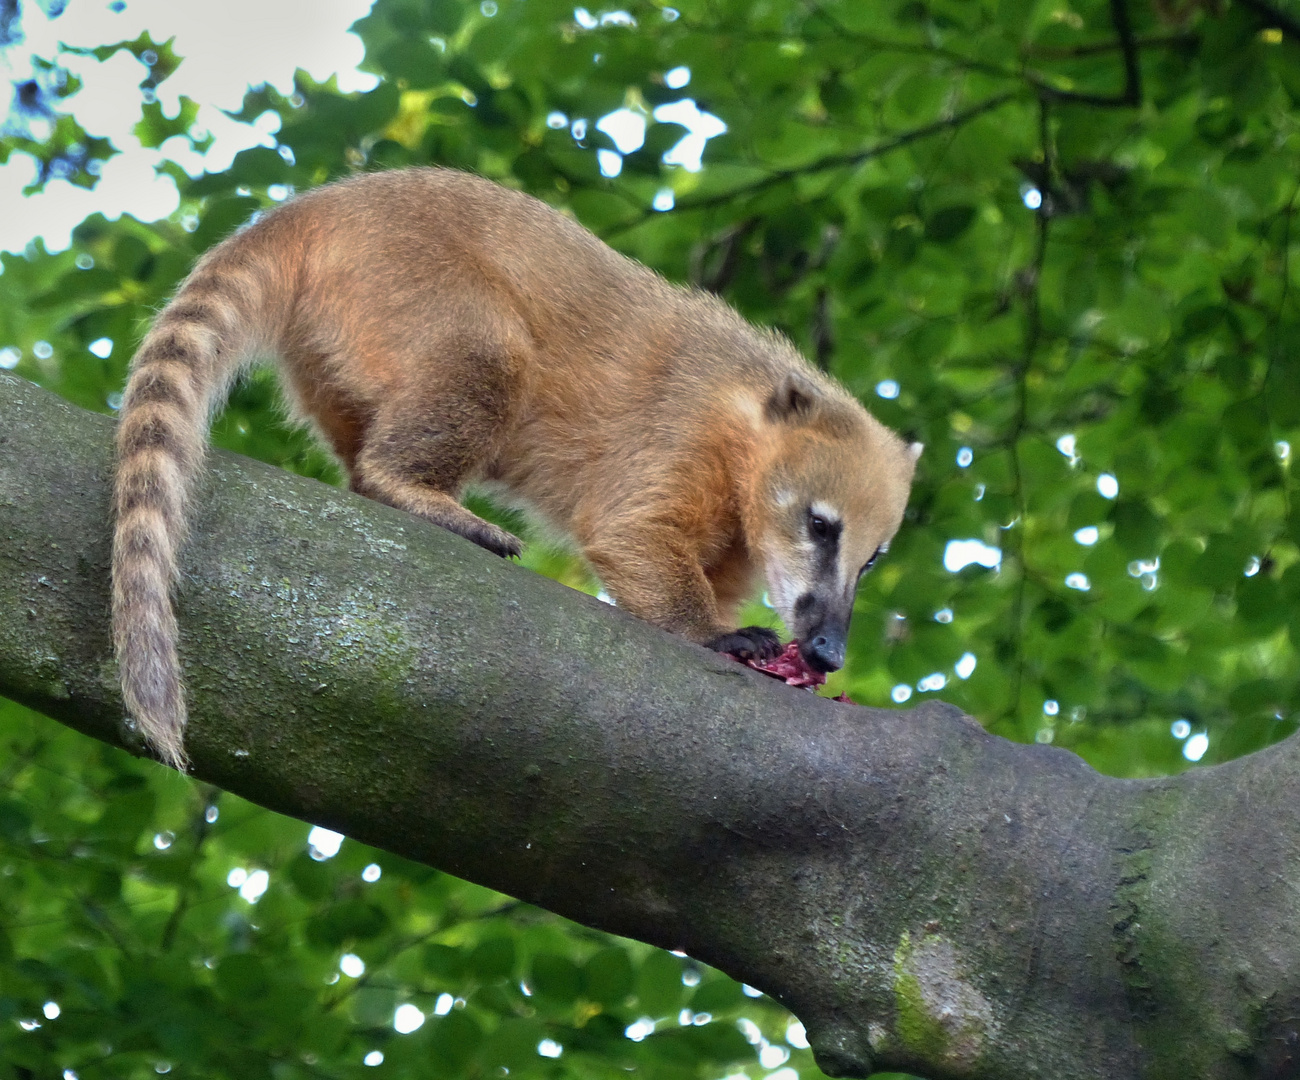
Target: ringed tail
[178, 378]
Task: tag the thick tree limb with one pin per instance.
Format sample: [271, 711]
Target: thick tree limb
[923, 895]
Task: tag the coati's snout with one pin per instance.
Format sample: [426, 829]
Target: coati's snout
[821, 626]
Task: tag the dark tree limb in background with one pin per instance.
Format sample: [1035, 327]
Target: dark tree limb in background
[923, 895]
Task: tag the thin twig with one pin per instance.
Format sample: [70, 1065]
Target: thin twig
[1131, 95]
[186, 895]
[835, 161]
[1031, 278]
[1098, 48]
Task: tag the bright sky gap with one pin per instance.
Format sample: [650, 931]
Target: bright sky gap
[215, 72]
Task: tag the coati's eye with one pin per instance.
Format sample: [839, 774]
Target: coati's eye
[823, 527]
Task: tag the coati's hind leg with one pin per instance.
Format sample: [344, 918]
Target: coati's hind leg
[426, 441]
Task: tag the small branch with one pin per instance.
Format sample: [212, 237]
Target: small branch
[1131, 95]
[1031, 278]
[726, 246]
[835, 161]
[1098, 48]
[202, 827]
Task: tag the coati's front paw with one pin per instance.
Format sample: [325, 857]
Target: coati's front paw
[748, 643]
[496, 540]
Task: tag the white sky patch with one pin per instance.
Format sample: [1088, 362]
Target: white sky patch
[960, 554]
[610, 162]
[1107, 486]
[1078, 581]
[1087, 536]
[352, 965]
[677, 77]
[221, 60]
[254, 886]
[703, 126]
[965, 667]
[323, 843]
[1194, 748]
[407, 1018]
[626, 127]
[639, 1029]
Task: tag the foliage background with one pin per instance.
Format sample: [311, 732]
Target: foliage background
[1036, 219]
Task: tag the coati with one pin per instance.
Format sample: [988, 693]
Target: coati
[438, 329]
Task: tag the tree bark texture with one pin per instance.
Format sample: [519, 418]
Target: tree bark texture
[924, 896]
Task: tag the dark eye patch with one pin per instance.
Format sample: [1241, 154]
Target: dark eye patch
[822, 529]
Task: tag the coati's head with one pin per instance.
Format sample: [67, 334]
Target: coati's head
[830, 496]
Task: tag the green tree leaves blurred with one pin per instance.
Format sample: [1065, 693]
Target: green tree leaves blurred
[1051, 239]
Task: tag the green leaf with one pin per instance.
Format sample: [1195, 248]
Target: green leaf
[221, 218]
[659, 986]
[493, 958]
[608, 976]
[556, 977]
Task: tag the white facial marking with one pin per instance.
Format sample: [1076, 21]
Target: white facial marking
[749, 407]
[783, 587]
[826, 511]
[784, 498]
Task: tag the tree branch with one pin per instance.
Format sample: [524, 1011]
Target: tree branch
[1131, 95]
[923, 895]
[834, 161]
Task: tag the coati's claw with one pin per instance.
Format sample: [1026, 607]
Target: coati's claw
[748, 643]
[497, 541]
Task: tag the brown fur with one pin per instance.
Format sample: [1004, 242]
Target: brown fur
[438, 329]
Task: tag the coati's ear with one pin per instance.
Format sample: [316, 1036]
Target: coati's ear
[793, 399]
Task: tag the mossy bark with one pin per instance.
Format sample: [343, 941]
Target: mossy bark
[923, 895]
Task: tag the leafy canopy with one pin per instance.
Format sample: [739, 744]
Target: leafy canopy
[1051, 239]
